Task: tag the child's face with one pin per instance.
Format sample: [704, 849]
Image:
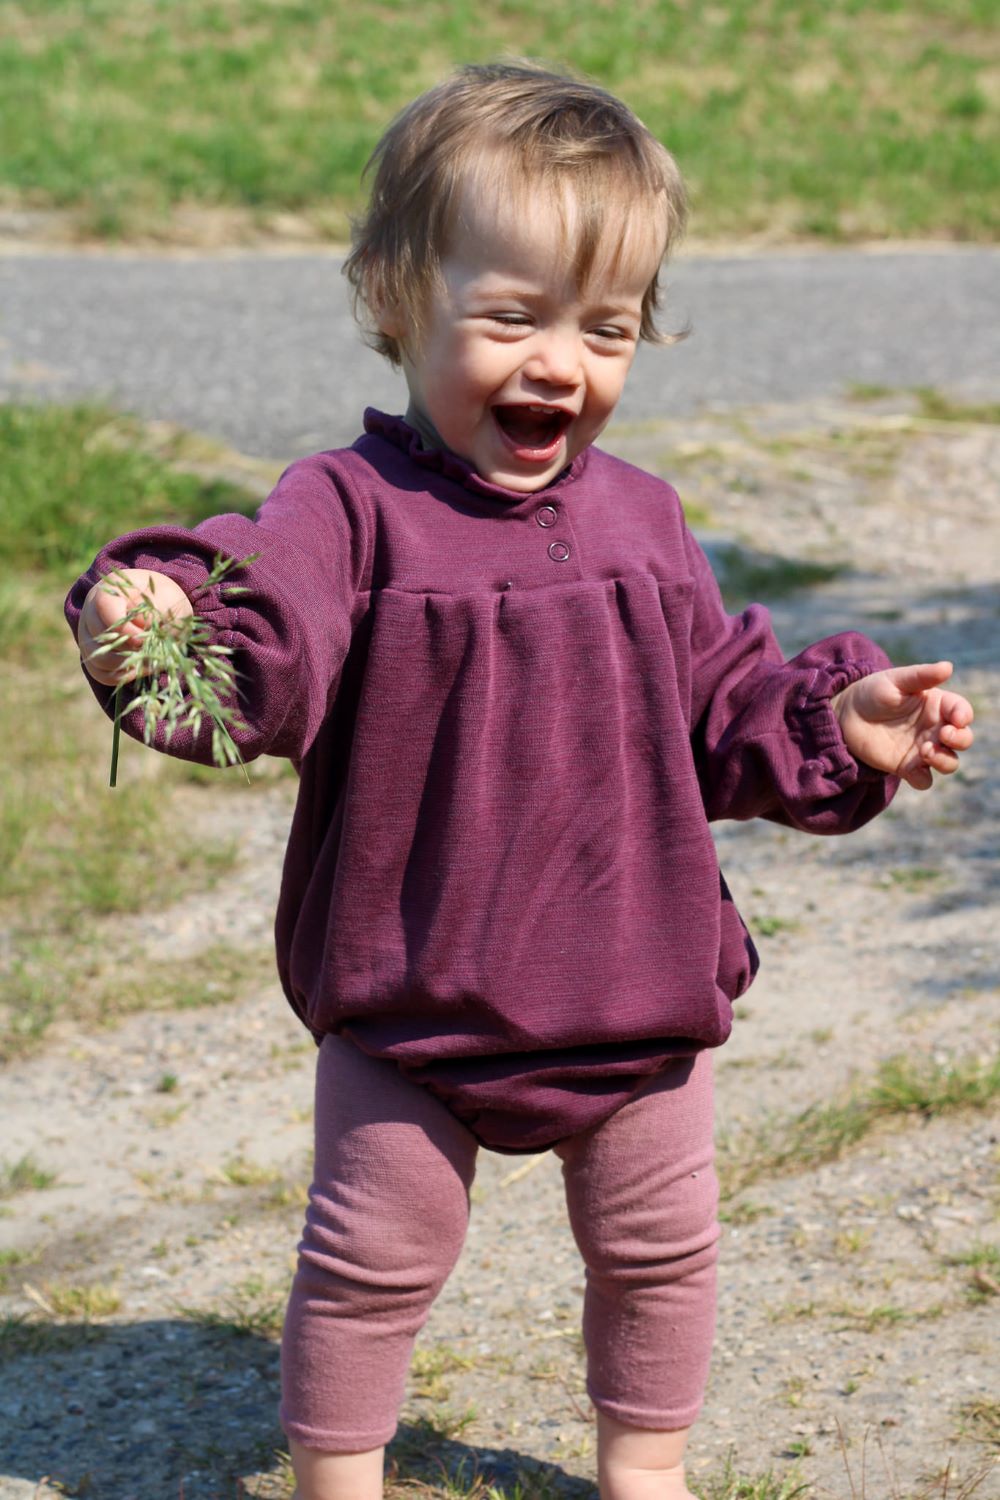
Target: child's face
[517, 369]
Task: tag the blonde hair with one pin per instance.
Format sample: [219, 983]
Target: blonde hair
[509, 126]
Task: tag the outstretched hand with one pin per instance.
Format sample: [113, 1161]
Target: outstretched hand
[902, 722]
[106, 610]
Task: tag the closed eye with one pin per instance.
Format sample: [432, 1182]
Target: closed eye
[609, 334]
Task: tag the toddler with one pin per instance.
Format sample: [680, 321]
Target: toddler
[501, 666]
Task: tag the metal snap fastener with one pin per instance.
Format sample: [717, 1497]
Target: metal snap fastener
[558, 551]
[547, 515]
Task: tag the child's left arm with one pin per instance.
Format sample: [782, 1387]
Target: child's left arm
[901, 721]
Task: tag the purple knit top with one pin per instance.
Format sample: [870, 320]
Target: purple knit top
[514, 717]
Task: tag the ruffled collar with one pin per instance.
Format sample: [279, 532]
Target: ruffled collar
[450, 466]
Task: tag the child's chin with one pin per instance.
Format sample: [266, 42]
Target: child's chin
[525, 484]
[525, 478]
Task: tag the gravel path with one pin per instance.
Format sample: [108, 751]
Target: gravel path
[262, 351]
[847, 1316]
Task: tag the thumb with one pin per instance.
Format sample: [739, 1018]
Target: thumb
[918, 678]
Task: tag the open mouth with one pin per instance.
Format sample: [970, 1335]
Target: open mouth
[532, 430]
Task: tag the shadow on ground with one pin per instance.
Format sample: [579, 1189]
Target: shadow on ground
[170, 1410]
[155, 1409]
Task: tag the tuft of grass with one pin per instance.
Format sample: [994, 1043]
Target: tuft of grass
[86, 1304]
[864, 390]
[429, 1367]
[981, 1420]
[21, 1334]
[240, 1172]
[885, 1315]
[24, 1176]
[947, 1484]
[941, 408]
[465, 1482]
[744, 1213]
[11, 1263]
[252, 1310]
[852, 1241]
[914, 877]
[745, 575]
[730, 1485]
[767, 927]
[902, 1087]
[419, 1465]
[983, 1262]
[932, 404]
[697, 515]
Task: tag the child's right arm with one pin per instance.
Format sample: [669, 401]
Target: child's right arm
[105, 609]
[287, 623]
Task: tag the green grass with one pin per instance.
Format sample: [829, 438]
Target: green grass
[83, 1303]
[74, 855]
[767, 927]
[251, 1310]
[89, 980]
[983, 1261]
[23, 1176]
[830, 118]
[769, 1486]
[914, 877]
[409, 1456]
[902, 1087]
[941, 408]
[981, 1419]
[23, 1335]
[931, 403]
[74, 476]
[745, 575]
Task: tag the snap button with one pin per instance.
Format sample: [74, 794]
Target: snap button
[547, 515]
[558, 551]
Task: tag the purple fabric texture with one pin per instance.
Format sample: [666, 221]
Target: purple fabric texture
[388, 1210]
[514, 717]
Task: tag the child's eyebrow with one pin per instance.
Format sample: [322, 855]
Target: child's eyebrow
[530, 292]
[507, 289]
[614, 310]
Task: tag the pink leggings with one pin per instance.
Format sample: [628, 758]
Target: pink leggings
[387, 1218]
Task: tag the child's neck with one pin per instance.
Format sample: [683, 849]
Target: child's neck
[429, 434]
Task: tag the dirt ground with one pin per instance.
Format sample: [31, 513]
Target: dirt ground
[858, 1303]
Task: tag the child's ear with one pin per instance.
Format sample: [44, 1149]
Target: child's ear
[390, 321]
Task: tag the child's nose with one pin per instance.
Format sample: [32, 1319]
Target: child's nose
[554, 360]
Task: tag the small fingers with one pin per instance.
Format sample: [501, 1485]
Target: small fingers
[920, 676]
[956, 709]
[102, 664]
[956, 736]
[938, 757]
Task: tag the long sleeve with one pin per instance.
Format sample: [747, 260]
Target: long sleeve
[289, 632]
[766, 740]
